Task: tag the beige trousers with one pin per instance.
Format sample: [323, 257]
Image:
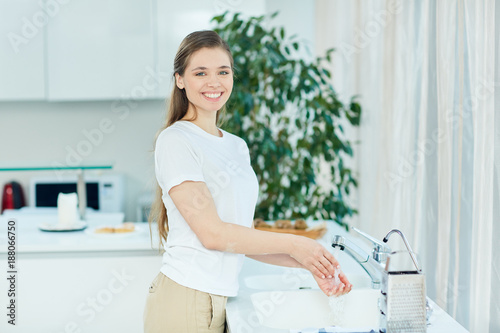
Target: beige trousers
[172, 308]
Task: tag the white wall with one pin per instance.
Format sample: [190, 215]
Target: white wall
[44, 133]
[298, 18]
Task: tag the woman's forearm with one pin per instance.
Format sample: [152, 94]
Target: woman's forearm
[234, 238]
[279, 259]
[310, 254]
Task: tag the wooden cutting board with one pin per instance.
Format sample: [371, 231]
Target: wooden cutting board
[312, 233]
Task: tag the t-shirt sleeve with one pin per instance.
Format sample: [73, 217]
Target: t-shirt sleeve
[176, 160]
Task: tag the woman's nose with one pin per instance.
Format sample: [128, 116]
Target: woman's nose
[214, 81]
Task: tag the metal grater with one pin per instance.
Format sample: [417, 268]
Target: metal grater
[403, 301]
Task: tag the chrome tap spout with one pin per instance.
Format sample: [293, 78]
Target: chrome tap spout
[410, 251]
[369, 265]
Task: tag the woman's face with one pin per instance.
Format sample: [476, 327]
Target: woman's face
[208, 79]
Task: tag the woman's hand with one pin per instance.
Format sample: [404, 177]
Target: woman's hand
[335, 286]
[314, 257]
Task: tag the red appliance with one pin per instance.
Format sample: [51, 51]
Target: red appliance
[13, 196]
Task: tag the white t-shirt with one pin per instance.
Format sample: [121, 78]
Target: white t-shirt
[185, 152]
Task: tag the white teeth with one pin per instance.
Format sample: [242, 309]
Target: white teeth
[212, 95]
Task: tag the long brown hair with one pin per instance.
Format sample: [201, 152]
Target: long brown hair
[178, 108]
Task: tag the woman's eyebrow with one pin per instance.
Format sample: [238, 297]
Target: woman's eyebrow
[202, 68]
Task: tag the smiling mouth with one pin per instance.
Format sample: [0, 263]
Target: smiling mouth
[213, 95]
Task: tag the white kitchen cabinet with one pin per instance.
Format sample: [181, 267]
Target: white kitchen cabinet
[82, 292]
[102, 49]
[21, 50]
[99, 49]
[76, 282]
[176, 19]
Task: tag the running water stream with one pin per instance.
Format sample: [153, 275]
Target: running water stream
[336, 302]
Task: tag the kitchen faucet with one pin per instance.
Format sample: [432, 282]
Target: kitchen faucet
[408, 304]
[372, 264]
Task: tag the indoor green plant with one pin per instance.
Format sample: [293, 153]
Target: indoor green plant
[287, 111]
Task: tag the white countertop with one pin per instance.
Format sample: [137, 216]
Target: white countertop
[30, 239]
[242, 317]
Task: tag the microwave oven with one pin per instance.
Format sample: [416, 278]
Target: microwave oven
[105, 193]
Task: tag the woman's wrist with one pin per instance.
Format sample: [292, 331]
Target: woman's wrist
[294, 242]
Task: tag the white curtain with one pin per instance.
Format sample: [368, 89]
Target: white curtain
[428, 161]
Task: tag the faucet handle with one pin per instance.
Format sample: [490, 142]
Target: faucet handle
[381, 253]
[375, 241]
[380, 250]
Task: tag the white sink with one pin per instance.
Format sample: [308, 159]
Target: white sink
[297, 280]
[311, 309]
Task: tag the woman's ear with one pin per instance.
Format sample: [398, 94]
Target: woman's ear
[179, 82]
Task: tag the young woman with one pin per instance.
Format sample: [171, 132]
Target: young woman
[206, 200]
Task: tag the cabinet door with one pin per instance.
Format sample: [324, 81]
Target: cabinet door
[21, 50]
[101, 49]
[176, 19]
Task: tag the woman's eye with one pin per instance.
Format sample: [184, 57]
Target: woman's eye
[200, 74]
[224, 73]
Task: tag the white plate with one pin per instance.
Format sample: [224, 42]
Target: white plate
[91, 232]
[79, 225]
